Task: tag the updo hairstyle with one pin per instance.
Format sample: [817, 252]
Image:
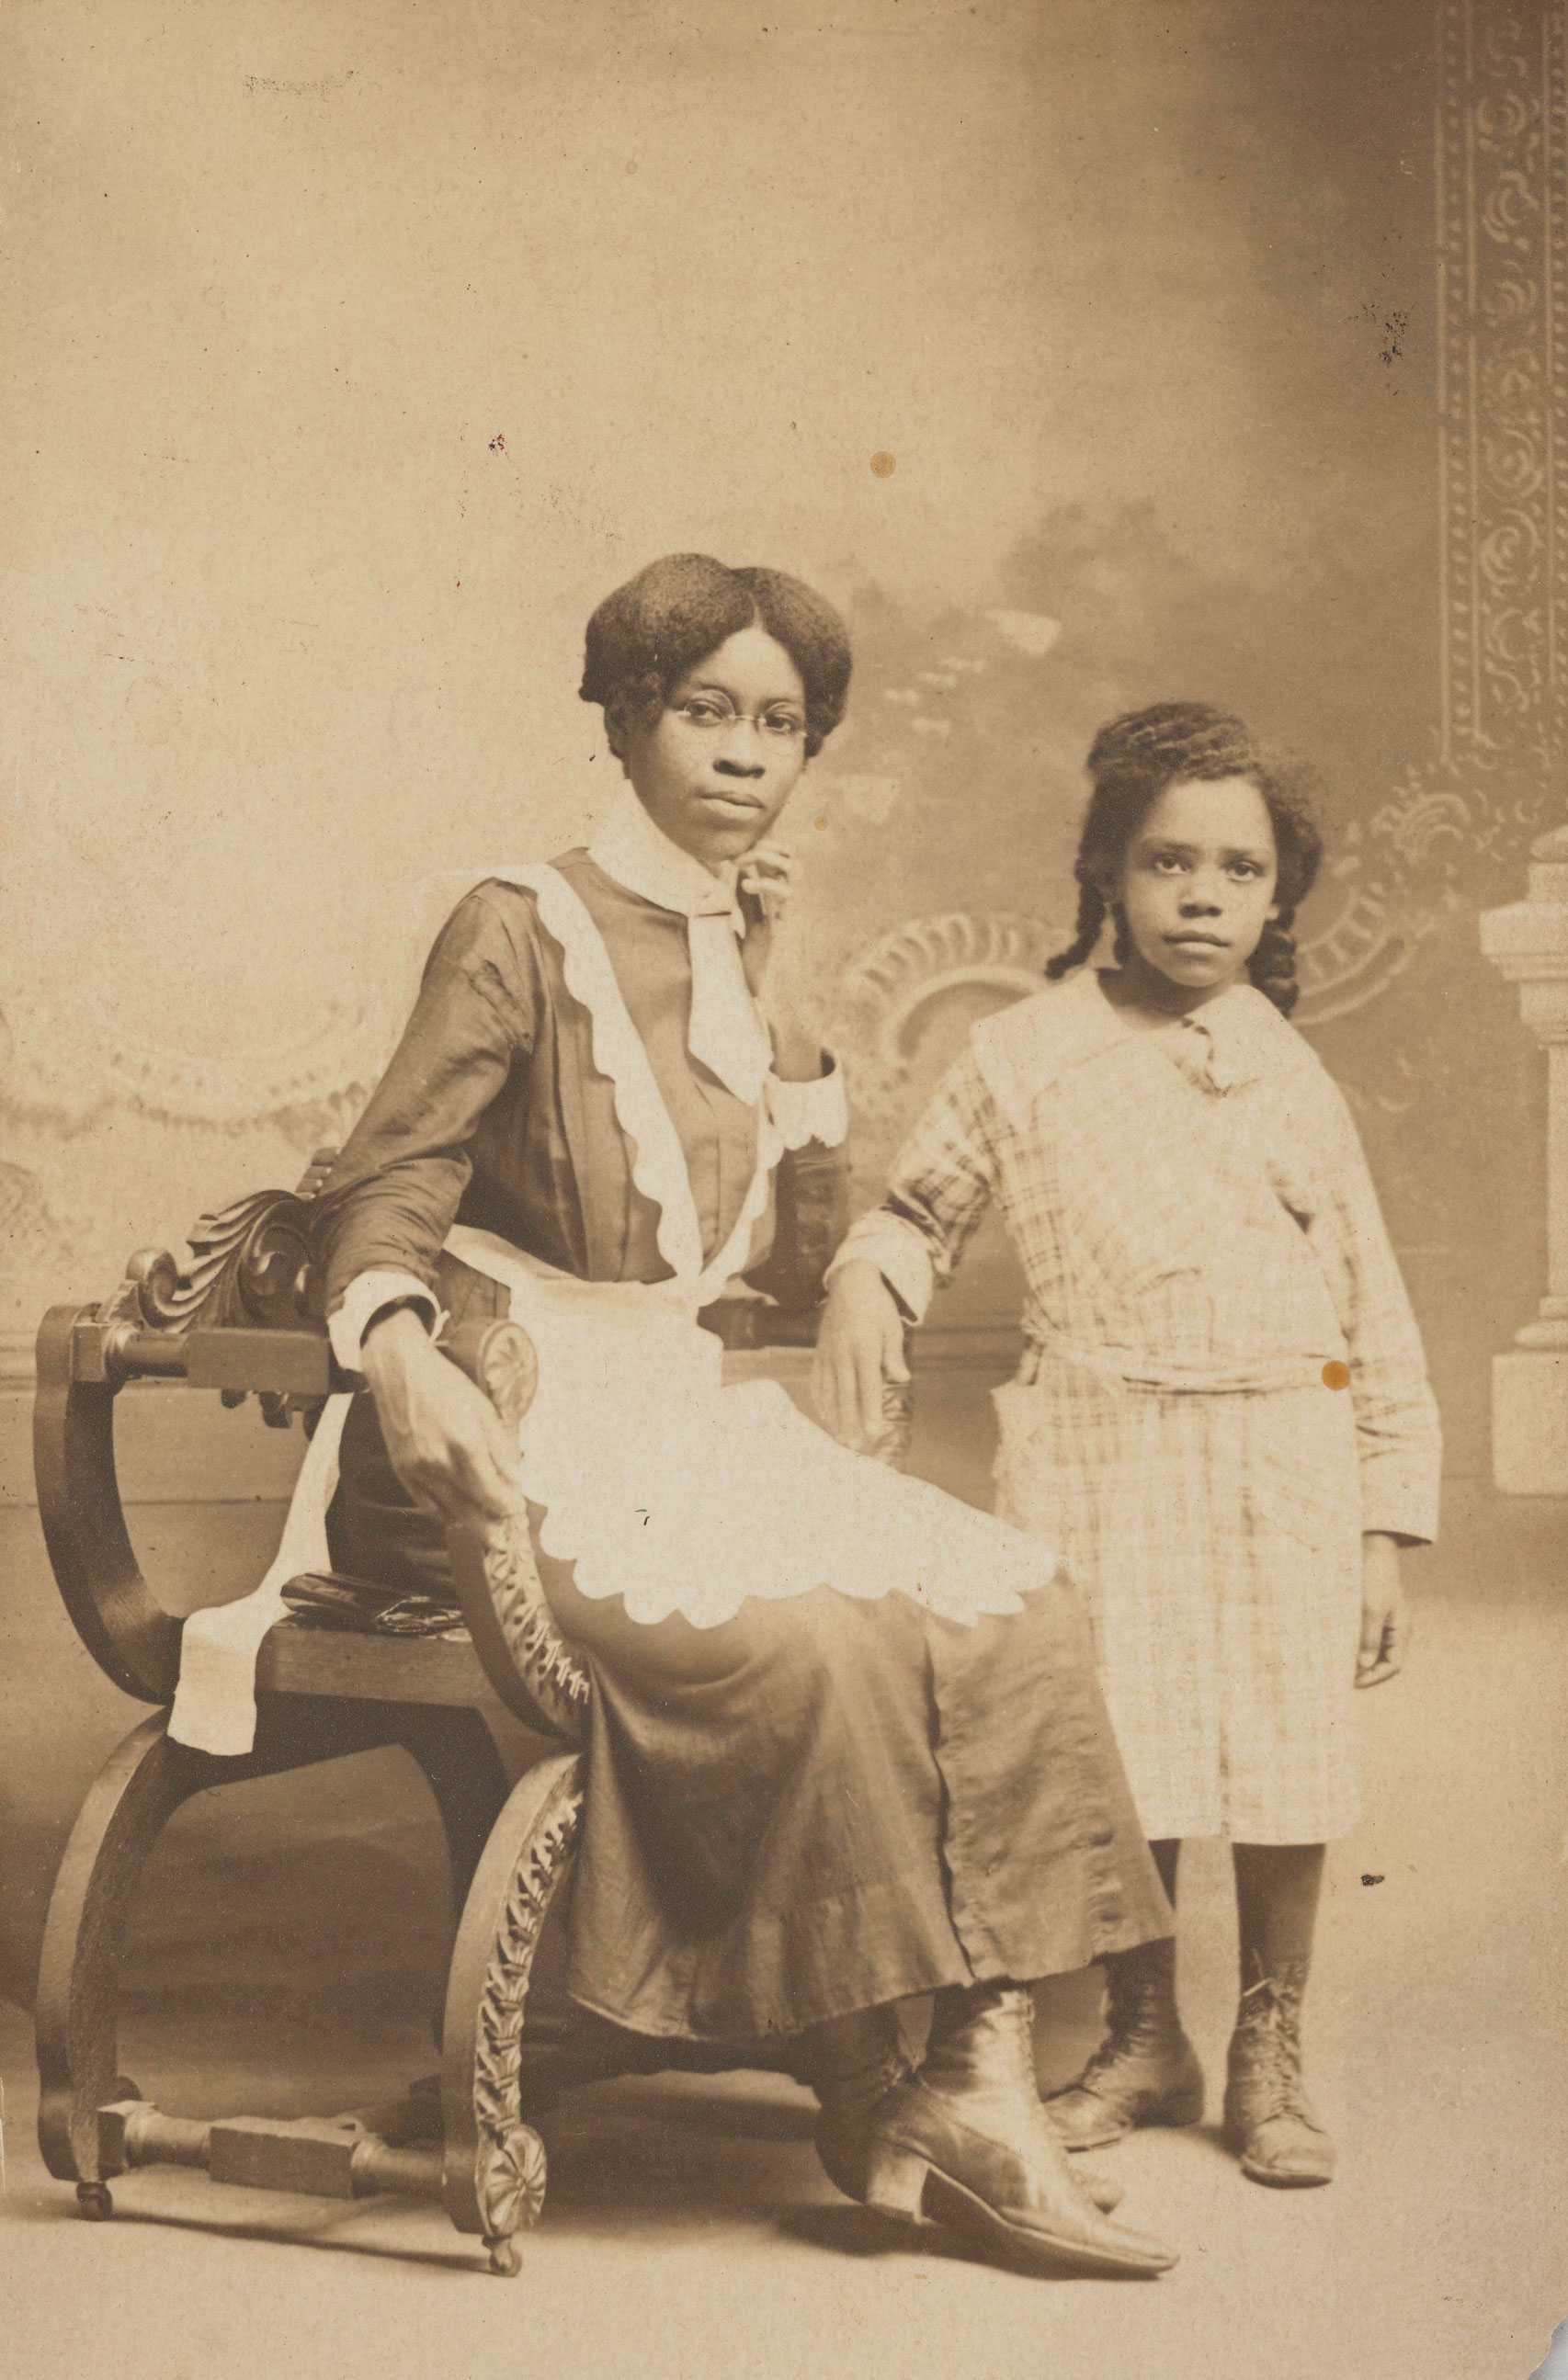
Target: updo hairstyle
[643, 638]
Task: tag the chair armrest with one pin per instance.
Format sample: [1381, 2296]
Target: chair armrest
[750, 1322]
[237, 1318]
[84, 1358]
[133, 1640]
[234, 1357]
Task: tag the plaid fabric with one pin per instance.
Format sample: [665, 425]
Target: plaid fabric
[1199, 1236]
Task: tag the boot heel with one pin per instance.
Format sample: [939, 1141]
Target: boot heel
[1184, 2106]
[896, 2181]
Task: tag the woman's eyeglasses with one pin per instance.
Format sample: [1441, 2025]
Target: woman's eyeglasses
[712, 715]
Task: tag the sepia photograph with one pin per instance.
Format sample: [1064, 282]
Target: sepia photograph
[784, 1189]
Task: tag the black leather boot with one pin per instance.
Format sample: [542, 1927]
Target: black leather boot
[852, 2063]
[966, 2144]
[1146, 2071]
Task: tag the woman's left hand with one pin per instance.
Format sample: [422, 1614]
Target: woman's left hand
[1385, 1616]
[765, 881]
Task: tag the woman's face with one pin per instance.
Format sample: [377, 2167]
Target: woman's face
[727, 752]
[1197, 884]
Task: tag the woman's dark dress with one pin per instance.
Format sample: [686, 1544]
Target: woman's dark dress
[823, 1803]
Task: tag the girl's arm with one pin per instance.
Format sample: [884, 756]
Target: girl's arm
[942, 1184]
[892, 1259]
[1396, 1416]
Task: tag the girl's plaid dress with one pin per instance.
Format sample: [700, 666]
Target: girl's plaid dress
[1200, 1240]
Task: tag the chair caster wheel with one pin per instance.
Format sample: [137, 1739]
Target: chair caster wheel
[93, 2201]
[504, 2258]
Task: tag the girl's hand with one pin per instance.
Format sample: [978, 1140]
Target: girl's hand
[859, 1346]
[1385, 1619]
[447, 1443]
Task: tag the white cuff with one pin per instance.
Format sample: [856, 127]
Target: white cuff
[815, 1111]
[363, 1300]
[899, 1254]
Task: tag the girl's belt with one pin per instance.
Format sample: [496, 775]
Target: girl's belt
[1126, 1367]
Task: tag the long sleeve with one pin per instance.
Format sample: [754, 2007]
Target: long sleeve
[810, 1210]
[395, 1191]
[1396, 1416]
[811, 1111]
[942, 1183]
[810, 1186]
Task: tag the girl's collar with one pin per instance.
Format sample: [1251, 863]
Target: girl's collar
[1244, 1030]
[1026, 1048]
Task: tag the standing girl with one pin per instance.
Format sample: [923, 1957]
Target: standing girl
[1222, 1416]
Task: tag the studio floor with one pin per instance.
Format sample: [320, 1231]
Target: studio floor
[291, 1944]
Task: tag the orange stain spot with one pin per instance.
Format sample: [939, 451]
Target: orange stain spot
[821, 820]
[1336, 1375]
[883, 465]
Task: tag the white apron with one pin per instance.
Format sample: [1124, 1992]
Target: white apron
[660, 1484]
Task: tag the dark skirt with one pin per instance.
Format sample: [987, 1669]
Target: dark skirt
[824, 1803]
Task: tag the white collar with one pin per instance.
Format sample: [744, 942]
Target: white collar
[1022, 1048]
[641, 859]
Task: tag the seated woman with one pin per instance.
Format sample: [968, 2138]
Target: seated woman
[846, 1744]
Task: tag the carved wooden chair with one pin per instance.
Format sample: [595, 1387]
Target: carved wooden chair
[240, 1321]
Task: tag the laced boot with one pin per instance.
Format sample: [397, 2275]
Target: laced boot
[1146, 2071]
[1268, 2116]
[966, 2142]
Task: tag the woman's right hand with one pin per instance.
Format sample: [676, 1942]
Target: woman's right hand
[447, 1442]
[859, 1347]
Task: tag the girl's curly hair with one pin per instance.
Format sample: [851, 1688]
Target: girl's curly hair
[1131, 762]
[644, 637]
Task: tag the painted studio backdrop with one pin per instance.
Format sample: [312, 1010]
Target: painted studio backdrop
[1087, 357]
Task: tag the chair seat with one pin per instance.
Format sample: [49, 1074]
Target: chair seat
[297, 1659]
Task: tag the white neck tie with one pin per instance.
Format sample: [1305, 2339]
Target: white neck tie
[726, 1034]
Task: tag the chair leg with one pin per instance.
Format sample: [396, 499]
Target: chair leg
[135, 1792]
[456, 1755]
[494, 2173]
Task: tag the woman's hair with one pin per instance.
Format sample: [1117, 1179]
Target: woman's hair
[644, 637]
[1130, 764]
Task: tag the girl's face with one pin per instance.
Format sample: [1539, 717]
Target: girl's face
[1197, 885]
[727, 751]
